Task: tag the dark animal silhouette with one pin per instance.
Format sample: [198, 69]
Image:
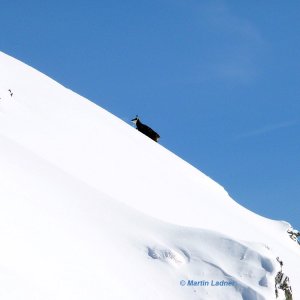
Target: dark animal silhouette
[145, 129]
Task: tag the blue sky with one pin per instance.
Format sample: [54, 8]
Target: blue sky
[219, 80]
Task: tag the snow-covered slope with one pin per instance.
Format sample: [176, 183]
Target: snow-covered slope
[92, 209]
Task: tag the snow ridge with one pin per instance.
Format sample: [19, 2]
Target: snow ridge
[92, 209]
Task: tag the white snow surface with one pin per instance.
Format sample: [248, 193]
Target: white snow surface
[93, 209]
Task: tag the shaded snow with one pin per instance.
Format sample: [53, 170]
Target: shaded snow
[92, 209]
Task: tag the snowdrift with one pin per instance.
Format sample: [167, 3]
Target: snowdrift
[93, 209]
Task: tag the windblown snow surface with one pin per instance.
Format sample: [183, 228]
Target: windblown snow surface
[93, 209]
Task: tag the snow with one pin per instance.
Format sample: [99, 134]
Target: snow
[93, 209]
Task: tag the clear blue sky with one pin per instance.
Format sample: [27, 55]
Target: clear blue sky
[219, 80]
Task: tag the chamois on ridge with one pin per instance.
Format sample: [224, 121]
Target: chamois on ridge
[145, 129]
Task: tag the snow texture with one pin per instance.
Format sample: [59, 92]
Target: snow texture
[93, 209]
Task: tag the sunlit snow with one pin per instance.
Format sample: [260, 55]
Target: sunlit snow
[93, 209]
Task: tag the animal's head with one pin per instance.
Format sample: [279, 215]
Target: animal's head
[135, 119]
